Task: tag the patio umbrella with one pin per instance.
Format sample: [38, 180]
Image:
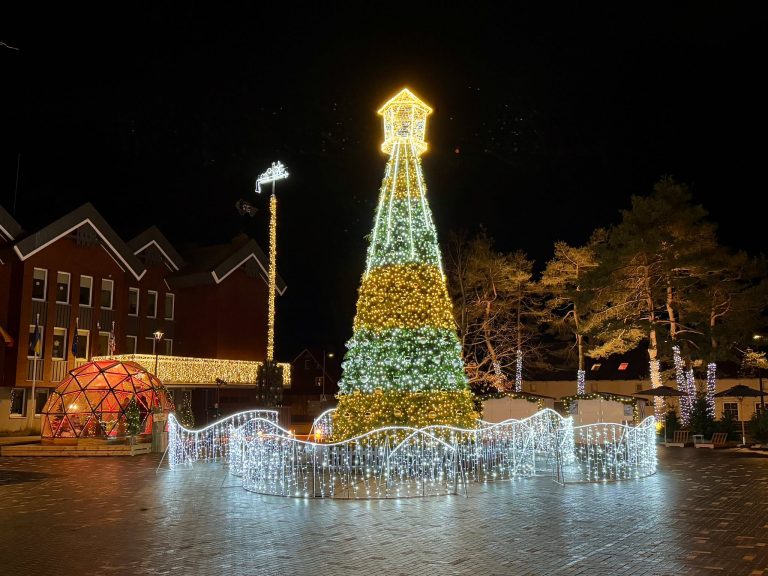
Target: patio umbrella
[739, 392]
[665, 392]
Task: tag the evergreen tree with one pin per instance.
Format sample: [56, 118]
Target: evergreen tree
[132, 418]
[186, 416]
[567, 299]
[403, 364]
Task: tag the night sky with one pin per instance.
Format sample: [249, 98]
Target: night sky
[545, 122]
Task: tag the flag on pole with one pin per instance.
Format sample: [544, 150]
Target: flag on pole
[111, 342]
[74, 339]
[35, 348]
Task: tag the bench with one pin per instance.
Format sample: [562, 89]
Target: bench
[719, 440]
[679, 439]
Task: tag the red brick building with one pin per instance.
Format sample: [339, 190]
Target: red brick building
[78, 278]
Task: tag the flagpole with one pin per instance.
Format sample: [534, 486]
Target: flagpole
[34, 370]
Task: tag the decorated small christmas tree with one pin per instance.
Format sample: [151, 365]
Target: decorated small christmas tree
[403, 364]
[186, 416]
[132, 418]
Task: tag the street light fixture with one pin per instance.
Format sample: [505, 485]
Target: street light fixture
[158, 334]
[328, 355]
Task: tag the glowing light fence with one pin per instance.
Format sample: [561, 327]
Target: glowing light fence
[397, 462]
[608, 451]
[211, 443]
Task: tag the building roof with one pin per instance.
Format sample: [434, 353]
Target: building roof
[9, 228]
[152, 236]
[213, 264]
[85, 214]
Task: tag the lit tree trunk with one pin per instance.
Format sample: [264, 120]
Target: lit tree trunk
[519, 360]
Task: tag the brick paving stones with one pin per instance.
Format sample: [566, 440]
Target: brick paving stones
[704, 512]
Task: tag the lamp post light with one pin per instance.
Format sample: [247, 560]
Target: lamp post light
[158, 334]
[274, 173]
[328, 355]
[758, 338]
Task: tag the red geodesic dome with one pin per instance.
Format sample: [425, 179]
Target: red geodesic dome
[91, 401]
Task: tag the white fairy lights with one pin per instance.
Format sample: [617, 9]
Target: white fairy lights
[711, 387]
[397, 461]
[580, 378]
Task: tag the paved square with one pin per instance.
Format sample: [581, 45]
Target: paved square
[704, 512]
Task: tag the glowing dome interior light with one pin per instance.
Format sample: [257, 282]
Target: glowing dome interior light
[91, 401]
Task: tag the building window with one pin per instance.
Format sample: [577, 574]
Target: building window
[130, 344]
[593, 386]
[731, 409]
[31, 344]
[102, 344]
[18, 402]
[41, 397]
[133, 301]
[170, 300]
[306, 363]
[83, 340]
[62, 287]
[107, 293]
[151, 304]
[39, 283]
[168, 346]
[59, 344]
[86, 290]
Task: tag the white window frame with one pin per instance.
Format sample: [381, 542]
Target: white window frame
[168, 346]
[138, 300]
[129, 337]
[165, 306]
[69, 286]
[111, 293]
[23, 414]
[42, 342]
[154, 312]
[80, 291]
[104, 352]
[152, 344]
[737, 409]
[38, 392]
[45, 284]
[66, 340]
[87, 334]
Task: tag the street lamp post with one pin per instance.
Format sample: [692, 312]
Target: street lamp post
[274, 173]
[158, 334]
[758, 338]
[328, 355]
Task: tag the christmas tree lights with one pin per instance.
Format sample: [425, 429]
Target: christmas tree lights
[403, 364]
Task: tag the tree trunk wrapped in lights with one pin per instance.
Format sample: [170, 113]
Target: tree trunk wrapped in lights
[403, 365]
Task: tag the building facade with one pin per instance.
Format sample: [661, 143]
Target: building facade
[76, 283]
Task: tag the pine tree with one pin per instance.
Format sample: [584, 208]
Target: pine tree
[186, 416]
[132, 418]
[403, 364]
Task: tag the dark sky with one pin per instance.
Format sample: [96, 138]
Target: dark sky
[545, 122]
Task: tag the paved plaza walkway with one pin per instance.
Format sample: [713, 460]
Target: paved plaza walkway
[704, 512]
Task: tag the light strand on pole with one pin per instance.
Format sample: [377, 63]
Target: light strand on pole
[711, 387]
[272, 276]
[580, 384]
[659, 407]
[686, 402]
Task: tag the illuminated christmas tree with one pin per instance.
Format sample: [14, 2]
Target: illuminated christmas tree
[403, 364]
